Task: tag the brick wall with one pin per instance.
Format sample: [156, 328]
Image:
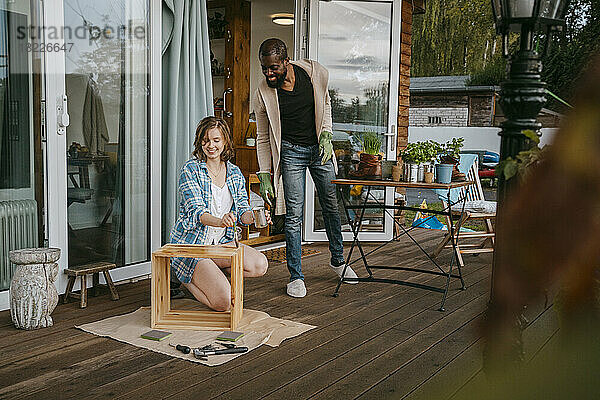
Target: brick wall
[404, 81]
[439, 116]
[481, 110]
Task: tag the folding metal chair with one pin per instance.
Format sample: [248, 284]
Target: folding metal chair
[476, 208]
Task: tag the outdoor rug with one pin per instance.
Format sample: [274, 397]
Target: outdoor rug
[278, 255]
[258, 328]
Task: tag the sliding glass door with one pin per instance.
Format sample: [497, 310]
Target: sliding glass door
[103, 189]
[107, 140]
[21, 157]
[358, 42]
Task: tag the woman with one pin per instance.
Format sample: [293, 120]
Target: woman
[213, 200]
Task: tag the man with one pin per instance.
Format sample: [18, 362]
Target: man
[293, 120]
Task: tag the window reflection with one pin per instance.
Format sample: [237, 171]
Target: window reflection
[107, 140]
[354, 44]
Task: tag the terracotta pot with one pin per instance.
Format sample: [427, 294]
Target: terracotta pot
[396, 173]
[368, 167]
[428, 177]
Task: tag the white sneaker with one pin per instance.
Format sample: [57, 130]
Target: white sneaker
[349, 273]
[296, 288]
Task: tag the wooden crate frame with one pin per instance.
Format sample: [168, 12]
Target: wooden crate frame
[163, 316]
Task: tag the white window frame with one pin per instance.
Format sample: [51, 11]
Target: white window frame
[309, 233]
[52, 12]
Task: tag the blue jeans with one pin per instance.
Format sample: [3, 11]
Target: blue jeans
[294, 161]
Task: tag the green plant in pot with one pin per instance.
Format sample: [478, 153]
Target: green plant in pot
[409, 154]
[369, 165]
[410, 159]
[449, 157]
[431, 150]
[417, 158]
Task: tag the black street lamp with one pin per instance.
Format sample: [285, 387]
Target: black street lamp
[522, 96]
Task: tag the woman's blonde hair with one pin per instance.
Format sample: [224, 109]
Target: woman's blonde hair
[203, 127]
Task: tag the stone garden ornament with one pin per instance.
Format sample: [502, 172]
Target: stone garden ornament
[33, 295]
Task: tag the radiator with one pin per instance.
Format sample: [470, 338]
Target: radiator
[18, 230]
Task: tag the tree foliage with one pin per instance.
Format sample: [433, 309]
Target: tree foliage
[570, 53]
[453, 37]
[457, 37]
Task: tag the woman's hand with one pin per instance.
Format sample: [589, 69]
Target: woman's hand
[228, 220]
[268, 215]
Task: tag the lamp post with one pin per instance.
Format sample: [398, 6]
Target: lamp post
[522, 96]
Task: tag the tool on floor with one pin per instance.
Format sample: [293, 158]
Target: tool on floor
[230, 336]
[199, 353]
[181, 348]
[227, 345]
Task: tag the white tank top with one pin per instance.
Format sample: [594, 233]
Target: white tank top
[220, 205]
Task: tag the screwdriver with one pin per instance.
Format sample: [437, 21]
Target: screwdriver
[181, 348]
[203, 353]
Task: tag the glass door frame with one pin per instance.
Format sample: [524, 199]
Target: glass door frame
[309, 232]
[56, 143]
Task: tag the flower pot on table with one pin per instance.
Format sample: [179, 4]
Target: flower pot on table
[443, 173]
[369, 167]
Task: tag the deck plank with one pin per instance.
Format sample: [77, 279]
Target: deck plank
[361, 366]
[367, 340]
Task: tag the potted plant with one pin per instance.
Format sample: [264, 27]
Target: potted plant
[369, 165]
[449, 157]
[417, 158]
[410, 167]
[431, 148]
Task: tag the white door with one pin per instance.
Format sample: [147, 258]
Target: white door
[103, 160]
[21, 157]
[359, 43]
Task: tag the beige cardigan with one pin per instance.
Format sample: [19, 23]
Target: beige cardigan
[268, 124]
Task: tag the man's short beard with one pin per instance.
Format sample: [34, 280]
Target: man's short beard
[279, 82]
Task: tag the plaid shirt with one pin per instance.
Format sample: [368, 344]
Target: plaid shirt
[196, 197]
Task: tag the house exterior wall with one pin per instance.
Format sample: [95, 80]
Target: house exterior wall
[404, 79]
[454, 109]
[439, 116]
[439, 100]
[481, 110]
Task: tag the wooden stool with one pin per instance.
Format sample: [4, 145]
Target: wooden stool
[82, 271]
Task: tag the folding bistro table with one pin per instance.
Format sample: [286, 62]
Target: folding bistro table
[371, 202]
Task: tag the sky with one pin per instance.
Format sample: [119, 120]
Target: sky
[354, 45]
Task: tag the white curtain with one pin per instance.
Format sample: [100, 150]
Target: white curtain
[187, 91]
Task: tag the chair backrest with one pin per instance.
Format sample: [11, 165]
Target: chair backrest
[475, 191]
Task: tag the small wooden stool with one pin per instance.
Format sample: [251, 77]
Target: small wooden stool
[82, 271]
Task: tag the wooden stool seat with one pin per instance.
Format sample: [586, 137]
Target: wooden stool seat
[82, 271]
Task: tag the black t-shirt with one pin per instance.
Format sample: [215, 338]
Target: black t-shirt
[297, 110]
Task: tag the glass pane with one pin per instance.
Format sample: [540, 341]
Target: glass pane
[107, 140]
[497, 8]
[521, 8]
[551, 8]
[354, 45]
[21, 174]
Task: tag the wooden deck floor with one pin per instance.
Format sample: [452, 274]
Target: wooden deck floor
[373, 341]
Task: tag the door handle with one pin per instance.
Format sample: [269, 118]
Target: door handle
[227, 113]
[392, 134]
[63, 118]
